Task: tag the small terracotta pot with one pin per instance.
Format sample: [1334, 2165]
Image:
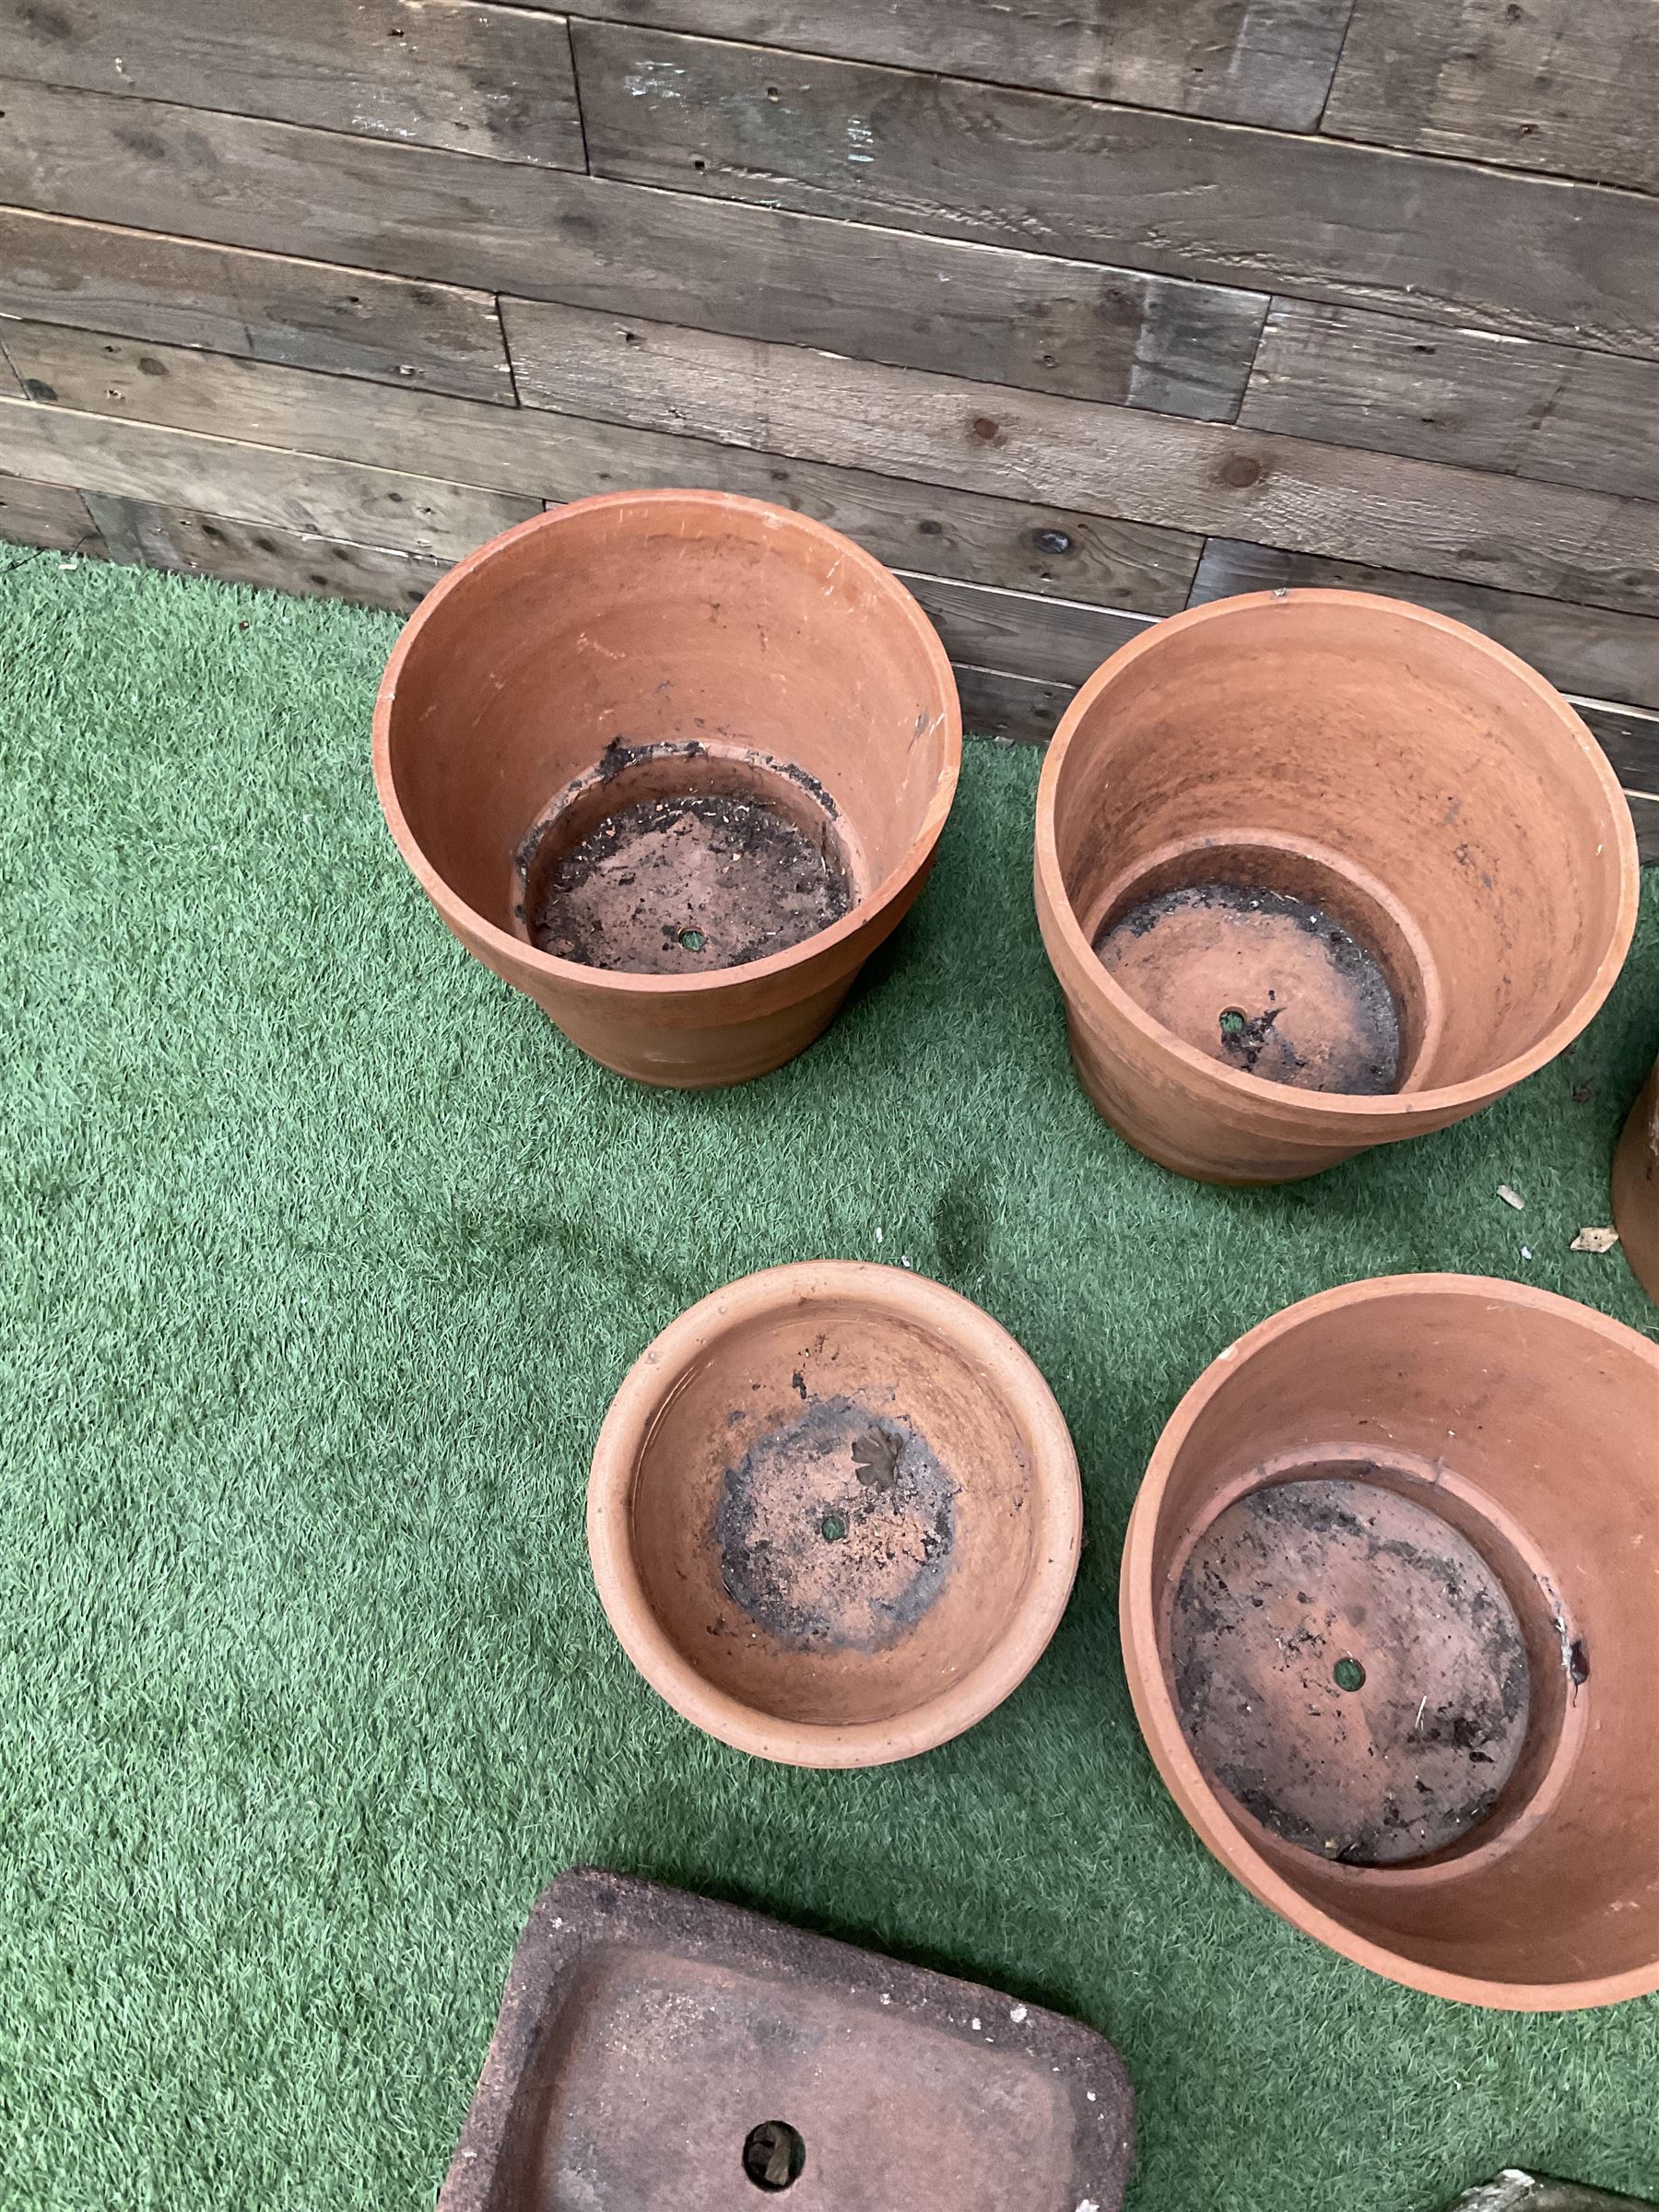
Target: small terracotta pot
[1316, 871]
[1388, 1609]
[834, 1515]
[1636, 1187]
[686, 705]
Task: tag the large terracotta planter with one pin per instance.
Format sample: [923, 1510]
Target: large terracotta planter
[834, 1515]
[1636, 1187]
[674, 763]
[1389, 1603]
[1317, 870]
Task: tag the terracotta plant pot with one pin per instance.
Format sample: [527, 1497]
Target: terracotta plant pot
[1388, 1607]
[834, 1515]
[1636, 1188]
[674, 763]
[1315, 871]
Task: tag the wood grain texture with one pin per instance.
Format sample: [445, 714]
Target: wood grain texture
[1051, 641]
[1564, 86]
[1015, 544]
[1240, 60]
[1630, 740]
[1310, 218]
[1014, 708]
[1010, 317]
[267, 306]
[1552, 413]
[1270, 490]
[481, 80]
[251, 483]
[46, 516]
[1580, 649]
[190, 543]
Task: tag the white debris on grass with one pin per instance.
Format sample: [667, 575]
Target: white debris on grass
[1594, 1239]
[1511, 1198]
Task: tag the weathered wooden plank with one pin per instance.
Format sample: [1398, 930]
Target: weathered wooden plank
[1010, 317]
[267, 306]
[964, 535]
[1014, 708]
[1240, 60]
[1554, 413]
[251, 483]
[479, 78]
[1564, 86]
[1644, 812]
[47, 514]
[1312, 217]
[1581, 649]
[1630, 740]
[190, 543]
[1271, 490]
[1050, 641]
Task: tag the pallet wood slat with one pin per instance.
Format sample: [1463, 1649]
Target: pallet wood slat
[1218, 202]
[267, 306]
[1270, 61]
[250, 483]
[1562, 86]
[1014, 317]
[49, 515]
[1580, 649]
[1552, 413]
[191, 542]
[1204, 476]
[1020, 544]
[1630, 740]
[463, 74]
[1049, 641]
[1017, 709]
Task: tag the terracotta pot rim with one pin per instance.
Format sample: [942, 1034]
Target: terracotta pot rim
[653, 1380]
[1314, 1106]
[1159, 1721]
[622, 982]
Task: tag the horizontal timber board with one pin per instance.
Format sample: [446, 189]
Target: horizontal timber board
[251, 483]
[1563, 86]
[1581, 649]
[191, 542]
[1203, 477]
[463, 74]
[1015, 707]
[1630, 741]
[1553, 413]
[48, 515]
[1012, 543]
[1312, 217]
[1269, 62]
[1010, 317]
[348, 321]
[1049, 641]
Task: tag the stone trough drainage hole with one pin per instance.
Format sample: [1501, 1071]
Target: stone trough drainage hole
[774, 2154]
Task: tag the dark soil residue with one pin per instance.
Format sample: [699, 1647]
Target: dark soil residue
[685, 884]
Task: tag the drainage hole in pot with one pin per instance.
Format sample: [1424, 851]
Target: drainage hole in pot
[1348, 1674]
[774, 2154]
[1307, 1001]
[832, 1528]
[688, 882]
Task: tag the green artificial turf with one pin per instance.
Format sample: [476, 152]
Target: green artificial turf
[323, 1254]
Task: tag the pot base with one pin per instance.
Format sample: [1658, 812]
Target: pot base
[673, 860]
[1261, 979]
[1349, 1668]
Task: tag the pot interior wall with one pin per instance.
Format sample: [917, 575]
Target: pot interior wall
[834, 1516]
[1549, 1425]
[1454, 783]
[653, 623]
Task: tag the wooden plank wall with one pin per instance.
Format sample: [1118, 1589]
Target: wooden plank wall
[1074, 315]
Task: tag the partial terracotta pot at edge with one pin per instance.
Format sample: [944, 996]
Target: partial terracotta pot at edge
[1636, 1187]
[1393, 768]
[1521, 1426]
[643, 641]
[834, 1515]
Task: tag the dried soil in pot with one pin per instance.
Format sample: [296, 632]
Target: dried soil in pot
[1388, 1598]
[1317, 870]
[834, 1515]
[728, 704]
